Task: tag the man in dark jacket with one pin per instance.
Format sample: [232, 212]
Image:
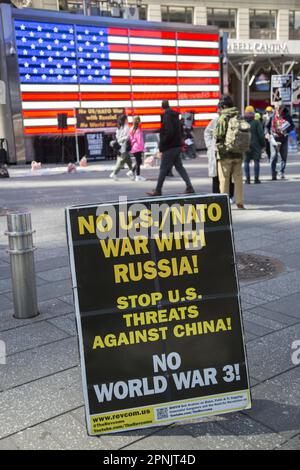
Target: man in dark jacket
[170, 147]
[256, 145]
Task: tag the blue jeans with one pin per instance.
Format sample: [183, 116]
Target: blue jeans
[247, 169]
[283, 151]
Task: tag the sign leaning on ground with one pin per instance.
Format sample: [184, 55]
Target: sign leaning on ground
[281, 88]
[158, 311]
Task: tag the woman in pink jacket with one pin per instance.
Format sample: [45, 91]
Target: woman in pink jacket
[137, 147]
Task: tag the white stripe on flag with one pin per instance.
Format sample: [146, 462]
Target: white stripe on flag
[147, 118]
[196, 88]
[198, 73]
[198, 59]
[46, 122]
[50, 104]
[192, 102]
[108, 88]
[152, 73]
[152, 42]
[150, 57]
[44, 88]
[119, 72]
[117, 39]
[198, 44]
[205, 116]
[154, 88]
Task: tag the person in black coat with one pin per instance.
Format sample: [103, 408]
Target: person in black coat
[170, 148]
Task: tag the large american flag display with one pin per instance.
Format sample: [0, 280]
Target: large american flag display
[67, 66]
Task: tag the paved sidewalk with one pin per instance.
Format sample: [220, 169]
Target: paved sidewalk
[41, 404]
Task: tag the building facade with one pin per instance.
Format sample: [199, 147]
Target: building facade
[263, 39]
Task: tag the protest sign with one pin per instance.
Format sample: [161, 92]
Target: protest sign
[94, 146]
[97, 118]
[281, 88]
[158, 311]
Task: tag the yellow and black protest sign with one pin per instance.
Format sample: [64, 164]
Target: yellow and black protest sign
[158, 311]
[97, 118]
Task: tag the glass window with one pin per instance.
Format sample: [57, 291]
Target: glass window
[177, 14]
[223, 18]
[294, 25]
[262, 24]
[142, 10]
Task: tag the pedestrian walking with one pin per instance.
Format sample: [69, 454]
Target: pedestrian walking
[137, 147]
[123, 144]
[267, 117]
[278, 129]
[170, 148]
[257, 143]
[232, 140]
[210, 142]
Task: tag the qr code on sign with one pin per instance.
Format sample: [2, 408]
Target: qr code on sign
[162, 413]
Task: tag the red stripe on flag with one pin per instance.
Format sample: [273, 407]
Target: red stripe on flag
[117, 32]
[143, 111]
[195, 66]
[144, 33]
[154, 80]
[201, 123]
[154, 96]
[119, 80]
[105, 96]
[198, 81]
[194, 51]
[118, 48]
[120, 64]
[50, 96]
[37, 113]
[150, 125]
[197, 36]
[206, 95]
[48, 130]
[198, 109]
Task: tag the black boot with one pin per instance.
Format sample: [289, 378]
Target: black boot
[247, 180]
[257, 181]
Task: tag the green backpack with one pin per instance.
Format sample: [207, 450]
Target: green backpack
[238, 135]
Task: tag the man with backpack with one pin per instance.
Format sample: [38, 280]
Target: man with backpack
[232, 140]
[170, 148]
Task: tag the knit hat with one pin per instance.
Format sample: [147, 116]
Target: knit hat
[249, 109]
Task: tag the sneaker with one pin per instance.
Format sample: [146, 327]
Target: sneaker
[231, 200]
[113, 176]
[282, 176]
[130, 174]
[140, 178]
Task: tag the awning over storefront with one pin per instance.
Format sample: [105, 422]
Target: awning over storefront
[246, 58]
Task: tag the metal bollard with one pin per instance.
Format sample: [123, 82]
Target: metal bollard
[22, 264]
